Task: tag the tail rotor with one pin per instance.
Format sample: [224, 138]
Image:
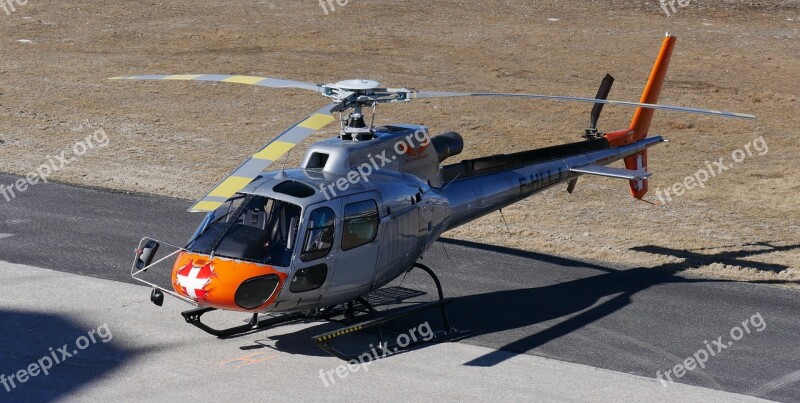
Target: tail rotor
[602, 93]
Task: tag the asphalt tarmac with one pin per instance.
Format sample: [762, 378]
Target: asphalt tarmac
[540, 326]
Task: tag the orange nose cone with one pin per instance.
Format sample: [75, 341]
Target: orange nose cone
[226, 283]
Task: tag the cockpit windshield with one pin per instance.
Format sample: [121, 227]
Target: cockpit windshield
[249, 227]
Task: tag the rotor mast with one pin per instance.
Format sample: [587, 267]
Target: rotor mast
[354, 95]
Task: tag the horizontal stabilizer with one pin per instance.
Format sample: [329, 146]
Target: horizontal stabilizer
[610, 172]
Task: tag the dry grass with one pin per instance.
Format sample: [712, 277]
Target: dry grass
[178, 139]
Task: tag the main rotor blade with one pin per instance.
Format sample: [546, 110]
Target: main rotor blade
[434, 94]
[223, 78]
[602, 93]
[256, 164]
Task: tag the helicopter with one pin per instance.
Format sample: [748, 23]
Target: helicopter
[363, 207]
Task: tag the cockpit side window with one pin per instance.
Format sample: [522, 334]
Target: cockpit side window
[360, 224]
[319, 235]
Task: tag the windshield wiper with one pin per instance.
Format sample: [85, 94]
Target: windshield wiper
[210, 225]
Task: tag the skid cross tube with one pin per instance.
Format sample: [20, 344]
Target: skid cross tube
[438, 289]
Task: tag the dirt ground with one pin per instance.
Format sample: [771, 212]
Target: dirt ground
[179, 139]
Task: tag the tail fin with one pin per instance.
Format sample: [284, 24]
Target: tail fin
[640, 125]
[642, 117]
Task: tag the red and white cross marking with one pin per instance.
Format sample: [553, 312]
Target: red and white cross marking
[193, 280]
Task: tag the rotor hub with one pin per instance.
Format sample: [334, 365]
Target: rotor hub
[357, 85]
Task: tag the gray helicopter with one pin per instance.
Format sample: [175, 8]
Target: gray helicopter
[363, 207]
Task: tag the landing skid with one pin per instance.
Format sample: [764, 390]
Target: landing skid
[384, 348]
[193, 317]
[350, 311]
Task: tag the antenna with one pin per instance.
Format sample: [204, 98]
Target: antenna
[504, 221]
[288, 153]
[374, 110]
[445, 249]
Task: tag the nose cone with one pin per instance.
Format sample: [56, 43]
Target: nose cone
[226, 283]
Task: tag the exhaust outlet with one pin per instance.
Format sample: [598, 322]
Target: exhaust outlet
[447, 145]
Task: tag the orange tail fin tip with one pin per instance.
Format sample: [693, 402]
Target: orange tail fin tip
[642, 117]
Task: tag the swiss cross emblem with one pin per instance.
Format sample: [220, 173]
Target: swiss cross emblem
[193, 280]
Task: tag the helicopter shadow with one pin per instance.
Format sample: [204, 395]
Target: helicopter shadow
[573, 304]
[579, 300]
[387, 300]
[692, 258]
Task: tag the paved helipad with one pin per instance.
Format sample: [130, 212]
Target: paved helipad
[541, 326]
[144, 352]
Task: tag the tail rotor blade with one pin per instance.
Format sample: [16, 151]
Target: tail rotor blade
[602, 93]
